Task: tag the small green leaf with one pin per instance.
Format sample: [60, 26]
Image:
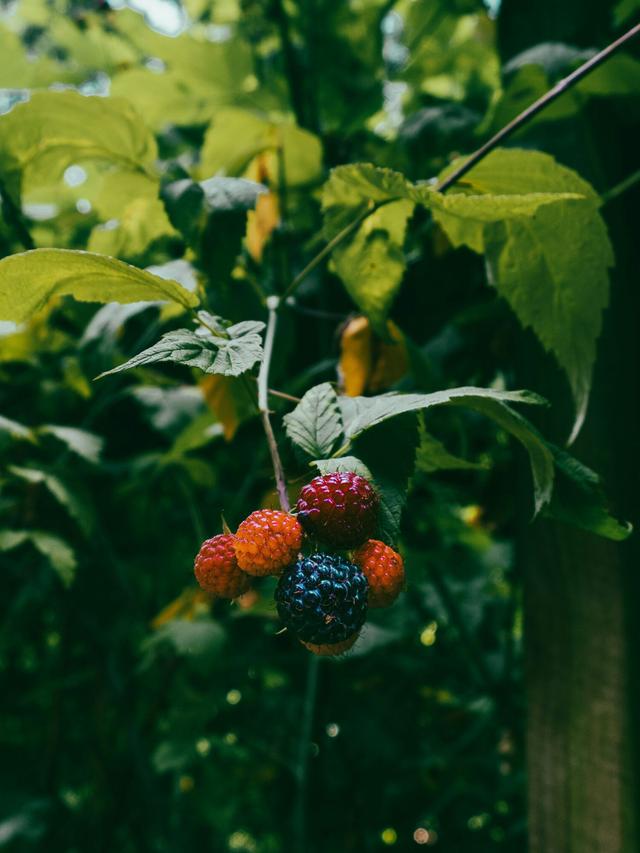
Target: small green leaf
[231, 355]
[29, 280]
[579, 499]
[85, 444]
[432, 455]
[315, 425]
[226, 194]
[16, 430]
[58, 553]
[342, 465]
[78, 509]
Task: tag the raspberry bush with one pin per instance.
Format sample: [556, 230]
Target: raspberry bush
[314, 253]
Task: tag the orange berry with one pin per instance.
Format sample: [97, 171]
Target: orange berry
[267, 542]
[383, 568]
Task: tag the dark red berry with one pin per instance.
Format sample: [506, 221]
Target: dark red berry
[216, 568]
[340, 509]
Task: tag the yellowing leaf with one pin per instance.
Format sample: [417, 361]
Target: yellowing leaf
[30, 279]
[229, 400]
[191, 602]
[368, 363]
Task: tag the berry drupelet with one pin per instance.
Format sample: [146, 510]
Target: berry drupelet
[267, 542]
[384, 570]
[322, 599]
[340, 509]
[216, 568]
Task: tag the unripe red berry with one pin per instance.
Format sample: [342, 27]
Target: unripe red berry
[340, 509]
[384, 569]
[216, 568]
[267, 542]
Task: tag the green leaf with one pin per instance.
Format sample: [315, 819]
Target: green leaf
[389, 452]
[370, 261]
[463, 216]
[53, 130]
[85, 444]
[230, 356]
[236, 136]
[343, 464]
[57, 552]
[361, 413]
[29, 279]
[16, 430]
[551, 267]
[388, 471]
[226, 194]
[432, 455]
[198, 638]
[579, 499]
[315, 425]
[78, 509]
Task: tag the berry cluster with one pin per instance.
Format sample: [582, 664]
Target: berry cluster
[322, 596]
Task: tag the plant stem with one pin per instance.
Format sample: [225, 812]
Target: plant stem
[322, 254]
[302, 763]
[13, 216]
[263, 402]
[622, 187]
[539, 105]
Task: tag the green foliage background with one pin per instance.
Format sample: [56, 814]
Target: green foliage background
[135, 715]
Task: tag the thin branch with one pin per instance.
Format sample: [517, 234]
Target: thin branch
[281, 394]
[263, 402]
[518, 122]
[322, 254]
[622, 187]
[539, 105]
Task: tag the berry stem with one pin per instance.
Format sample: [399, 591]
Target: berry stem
[302, 763]
[263, 403]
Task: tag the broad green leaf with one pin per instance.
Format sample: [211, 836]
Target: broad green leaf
[463, 216]
[59, 554]
[361, 413]
[53, 130]
[29, 279]
[579, 499]
[389, 452]
[371, 263]
[141, 222]
[432, 455]
[229, 356]
[78, 509]
[236, 136]
[551, 267]
[315, 425]
[85, 444]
